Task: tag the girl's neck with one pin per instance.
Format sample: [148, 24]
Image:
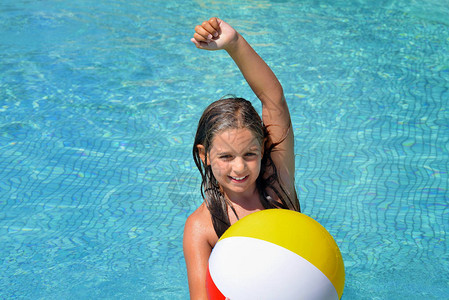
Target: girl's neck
[248, 201]
[243, 206]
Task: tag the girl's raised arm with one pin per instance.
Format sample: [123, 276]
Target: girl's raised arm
[216, 34]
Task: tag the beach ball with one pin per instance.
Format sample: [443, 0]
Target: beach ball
[275, 254]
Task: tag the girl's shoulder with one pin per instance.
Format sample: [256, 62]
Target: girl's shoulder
[199, 228]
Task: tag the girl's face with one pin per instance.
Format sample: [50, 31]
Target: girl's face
[235, 157]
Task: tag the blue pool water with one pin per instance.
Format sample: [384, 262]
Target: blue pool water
[98, 106]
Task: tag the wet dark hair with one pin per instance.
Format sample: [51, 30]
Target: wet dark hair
[236, 113]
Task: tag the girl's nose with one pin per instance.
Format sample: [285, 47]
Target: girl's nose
[239, 165]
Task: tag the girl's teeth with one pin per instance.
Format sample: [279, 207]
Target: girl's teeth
[240, 178]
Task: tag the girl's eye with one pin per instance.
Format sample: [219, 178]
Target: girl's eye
[225, 157]
[251, 156]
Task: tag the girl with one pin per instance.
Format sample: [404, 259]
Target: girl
[246, 165]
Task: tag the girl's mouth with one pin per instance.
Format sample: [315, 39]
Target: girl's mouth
[238, 179]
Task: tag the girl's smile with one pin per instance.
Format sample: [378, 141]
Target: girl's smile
[241, 179]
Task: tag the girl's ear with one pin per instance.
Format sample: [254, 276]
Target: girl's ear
[202, 153]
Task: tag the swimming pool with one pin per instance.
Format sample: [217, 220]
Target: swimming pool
[99, 104]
